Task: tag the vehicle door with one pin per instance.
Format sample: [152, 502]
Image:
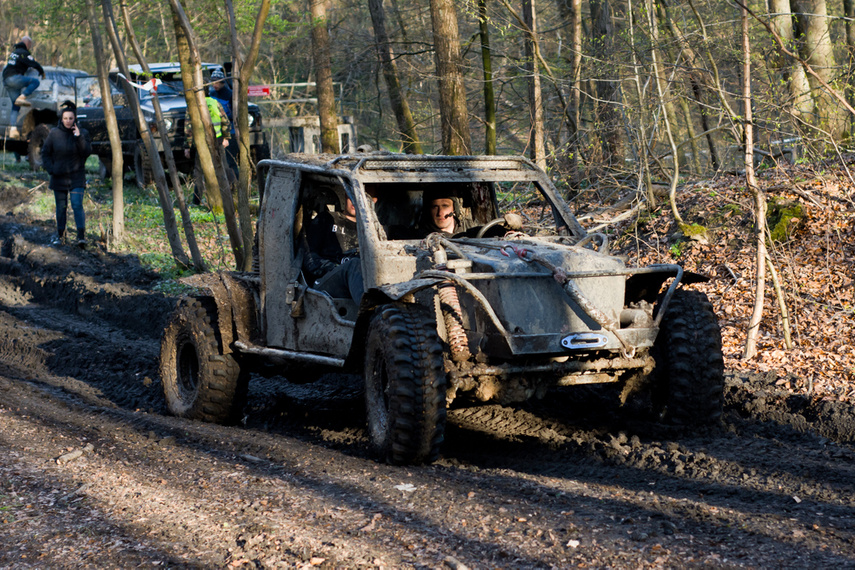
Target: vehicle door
[296, 315]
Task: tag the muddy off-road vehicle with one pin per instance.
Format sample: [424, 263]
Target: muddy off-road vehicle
[521, 302]
[90, 115]
[54, 92]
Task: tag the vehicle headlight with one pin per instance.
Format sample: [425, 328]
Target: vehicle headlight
[168, 124]
[251, 119]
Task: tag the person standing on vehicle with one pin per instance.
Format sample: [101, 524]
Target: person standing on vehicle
[18, 84]
[222, 132]
[64, 156]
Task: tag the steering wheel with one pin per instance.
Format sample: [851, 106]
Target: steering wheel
[514, 222]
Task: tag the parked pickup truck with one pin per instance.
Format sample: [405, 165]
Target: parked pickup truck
[55, 91]
[90, 115]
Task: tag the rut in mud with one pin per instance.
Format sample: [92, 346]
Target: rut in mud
[571, 480]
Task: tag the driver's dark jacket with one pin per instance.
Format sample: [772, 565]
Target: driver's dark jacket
[328, 238]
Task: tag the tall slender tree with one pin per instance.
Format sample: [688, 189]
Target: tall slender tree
[400, 106]
[117, 166]
[537, 148]
[149, 148]
[454, 115]
[244, 66]
[489, 89]
[326, 93]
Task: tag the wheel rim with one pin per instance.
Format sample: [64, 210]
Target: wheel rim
[188, 370]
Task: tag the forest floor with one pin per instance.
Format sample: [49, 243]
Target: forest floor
[95, 474]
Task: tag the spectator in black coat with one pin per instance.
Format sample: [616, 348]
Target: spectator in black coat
[64, 156]
[18, 84]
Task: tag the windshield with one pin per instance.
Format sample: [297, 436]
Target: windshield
[165, 89]
[87, 91]
[411, 211]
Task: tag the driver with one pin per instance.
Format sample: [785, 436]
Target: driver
[331, 249]
[438, 213]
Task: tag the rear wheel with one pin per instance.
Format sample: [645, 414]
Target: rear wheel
[689, 375]
[34, 147]
[404, 385]
[105, 169]
[199, 381]
[142, 166]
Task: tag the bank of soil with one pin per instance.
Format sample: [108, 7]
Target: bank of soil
[93, 472]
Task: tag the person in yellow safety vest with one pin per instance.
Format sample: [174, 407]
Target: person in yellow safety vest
[222, 132]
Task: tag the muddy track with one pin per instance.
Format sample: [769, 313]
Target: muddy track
[571, 480]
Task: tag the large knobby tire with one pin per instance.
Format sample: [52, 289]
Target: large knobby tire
[404, 385]
[689, 375]
[142, 166]
[199, 381]
[34, 147]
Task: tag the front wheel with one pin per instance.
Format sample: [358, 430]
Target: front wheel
[199, 381]
[689, 375]
[404, 385]
[142, 166]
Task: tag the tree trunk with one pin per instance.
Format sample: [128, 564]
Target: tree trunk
[489, 91]
[240, 110]
[326, 93]
[608, 89]
[817, 50]
[792, 72]
[454, 115]
[406, 124]
[117, 166]
[189, 233]
[537, 149]
[169, 222]
[211, 157]
[759, 198]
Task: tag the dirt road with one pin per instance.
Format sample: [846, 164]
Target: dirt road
[94, 474]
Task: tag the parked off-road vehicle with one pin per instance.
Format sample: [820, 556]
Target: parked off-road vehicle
[170, 93]
[54, 92]
[521, 302]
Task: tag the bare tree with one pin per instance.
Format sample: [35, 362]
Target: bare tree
[211, 155]
[189, 233]
[454, 115]
[116, 164]
[801, 104]
[608, 86]
[759, 197]
[400, 106]
[537, 148]
[817, 50]
[326, 94]
[240, 105]
[149, 147]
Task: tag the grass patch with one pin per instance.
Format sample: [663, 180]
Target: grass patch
[145, 235]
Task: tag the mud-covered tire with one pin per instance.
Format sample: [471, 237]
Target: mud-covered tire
[404, 385]
[199, 381]
[689, 375]
[34, 147]
[142, 166]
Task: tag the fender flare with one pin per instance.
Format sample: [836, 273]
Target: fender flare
[236, 317]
